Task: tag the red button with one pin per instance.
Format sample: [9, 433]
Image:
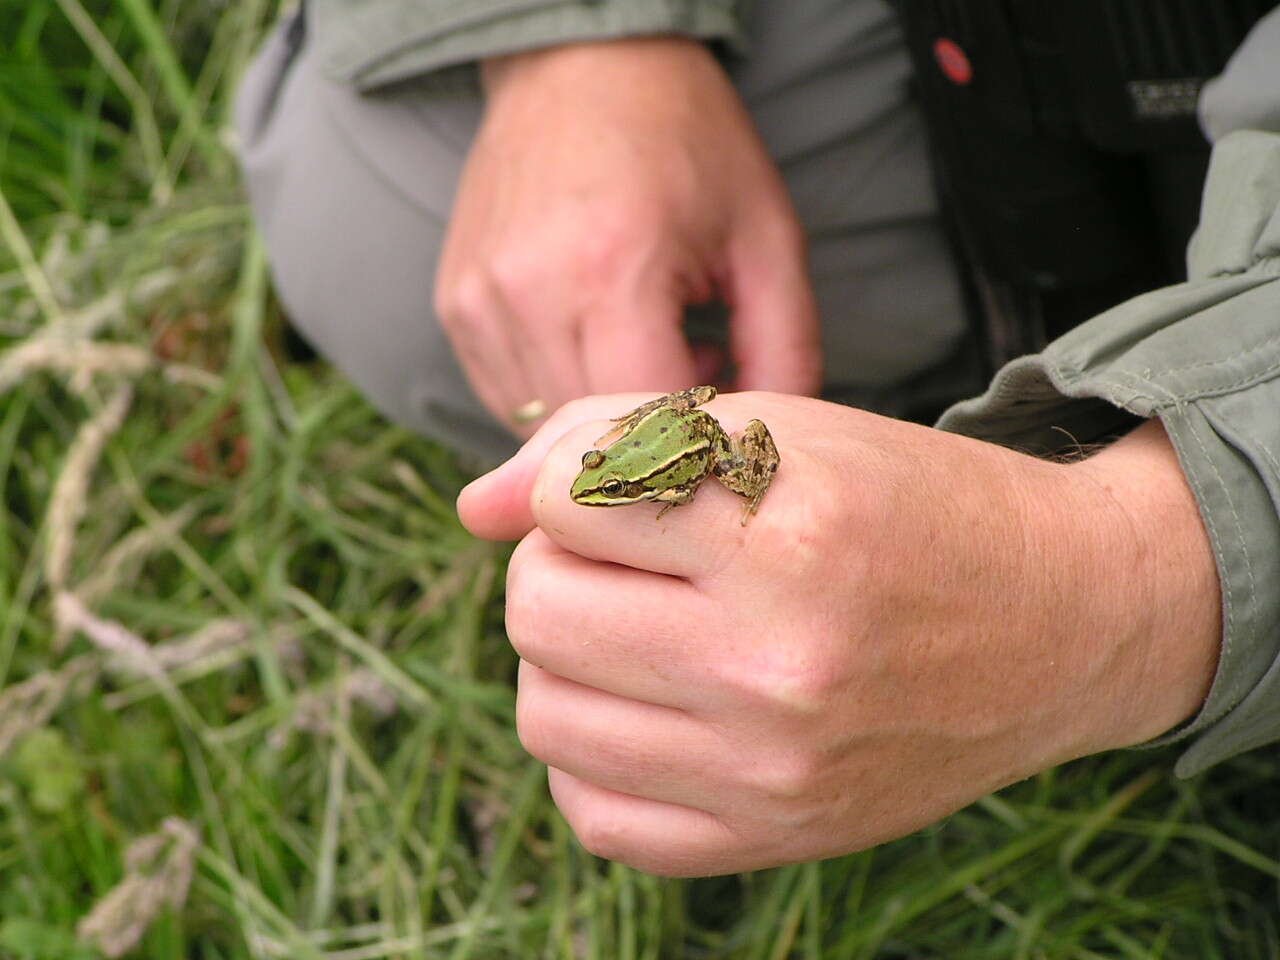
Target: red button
[953, 61]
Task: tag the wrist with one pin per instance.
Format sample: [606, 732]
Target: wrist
[586, 58]
[496, 71]
[1157, 584]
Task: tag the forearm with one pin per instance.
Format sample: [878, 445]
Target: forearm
[1165, 587]
[1202, 358]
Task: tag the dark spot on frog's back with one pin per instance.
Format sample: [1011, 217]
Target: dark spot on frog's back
[662, 429]
[635, 443]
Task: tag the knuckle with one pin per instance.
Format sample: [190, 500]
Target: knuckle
[603, 835]
[527, 602]
[807, 688]
[813, 535]
[790, 779]
[602, 255]
[785, 683]
[524, 620]
[517, 566]
[615, 240]
[518, 276]
[532, 728]
[462, 298]
[607, 831]
[518, 616]
[520, 567]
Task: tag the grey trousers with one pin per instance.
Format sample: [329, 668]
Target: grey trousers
[353, 192]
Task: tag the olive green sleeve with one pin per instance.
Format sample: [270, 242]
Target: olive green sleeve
[375, 42]
[1204, 357]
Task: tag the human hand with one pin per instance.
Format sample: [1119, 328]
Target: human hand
[610, 185]
[912, 620]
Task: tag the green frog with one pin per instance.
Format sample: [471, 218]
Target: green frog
[665, 448]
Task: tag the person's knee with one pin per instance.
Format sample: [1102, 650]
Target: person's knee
[353, 243]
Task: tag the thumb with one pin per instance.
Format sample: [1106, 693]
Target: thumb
[496, 505]
[773, 329]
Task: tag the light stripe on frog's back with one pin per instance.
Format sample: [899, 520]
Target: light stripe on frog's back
[679, 468]
[686, 462]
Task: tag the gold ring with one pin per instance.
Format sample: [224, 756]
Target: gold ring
[529, 412]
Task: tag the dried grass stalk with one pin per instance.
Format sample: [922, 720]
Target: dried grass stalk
[120, 564]
[29, 705]
[213, 638]
[66, 344]
[113, 638]
[81, 360]
[313, 710]
[158, 871]
[70, 493]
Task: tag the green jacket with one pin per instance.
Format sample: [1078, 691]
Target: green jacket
[1204, 356]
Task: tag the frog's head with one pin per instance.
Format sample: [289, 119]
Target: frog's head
[603, 482]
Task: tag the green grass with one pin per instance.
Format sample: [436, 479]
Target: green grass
[324, 693]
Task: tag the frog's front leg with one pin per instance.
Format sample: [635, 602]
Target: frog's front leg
[675, 497]
[680, 400]
[746, 463]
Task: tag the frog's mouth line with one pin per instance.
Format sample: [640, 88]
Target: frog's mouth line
[634, 493]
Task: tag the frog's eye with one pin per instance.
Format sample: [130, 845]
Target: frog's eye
[613, 487]
[592, 459]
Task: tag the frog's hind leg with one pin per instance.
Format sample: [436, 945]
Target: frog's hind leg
[680, 400]
[746, 463]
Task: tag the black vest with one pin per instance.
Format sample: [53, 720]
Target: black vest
[1066, 147]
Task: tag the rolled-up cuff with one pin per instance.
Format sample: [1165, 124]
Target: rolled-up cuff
[1230, 460]
[380, 43]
